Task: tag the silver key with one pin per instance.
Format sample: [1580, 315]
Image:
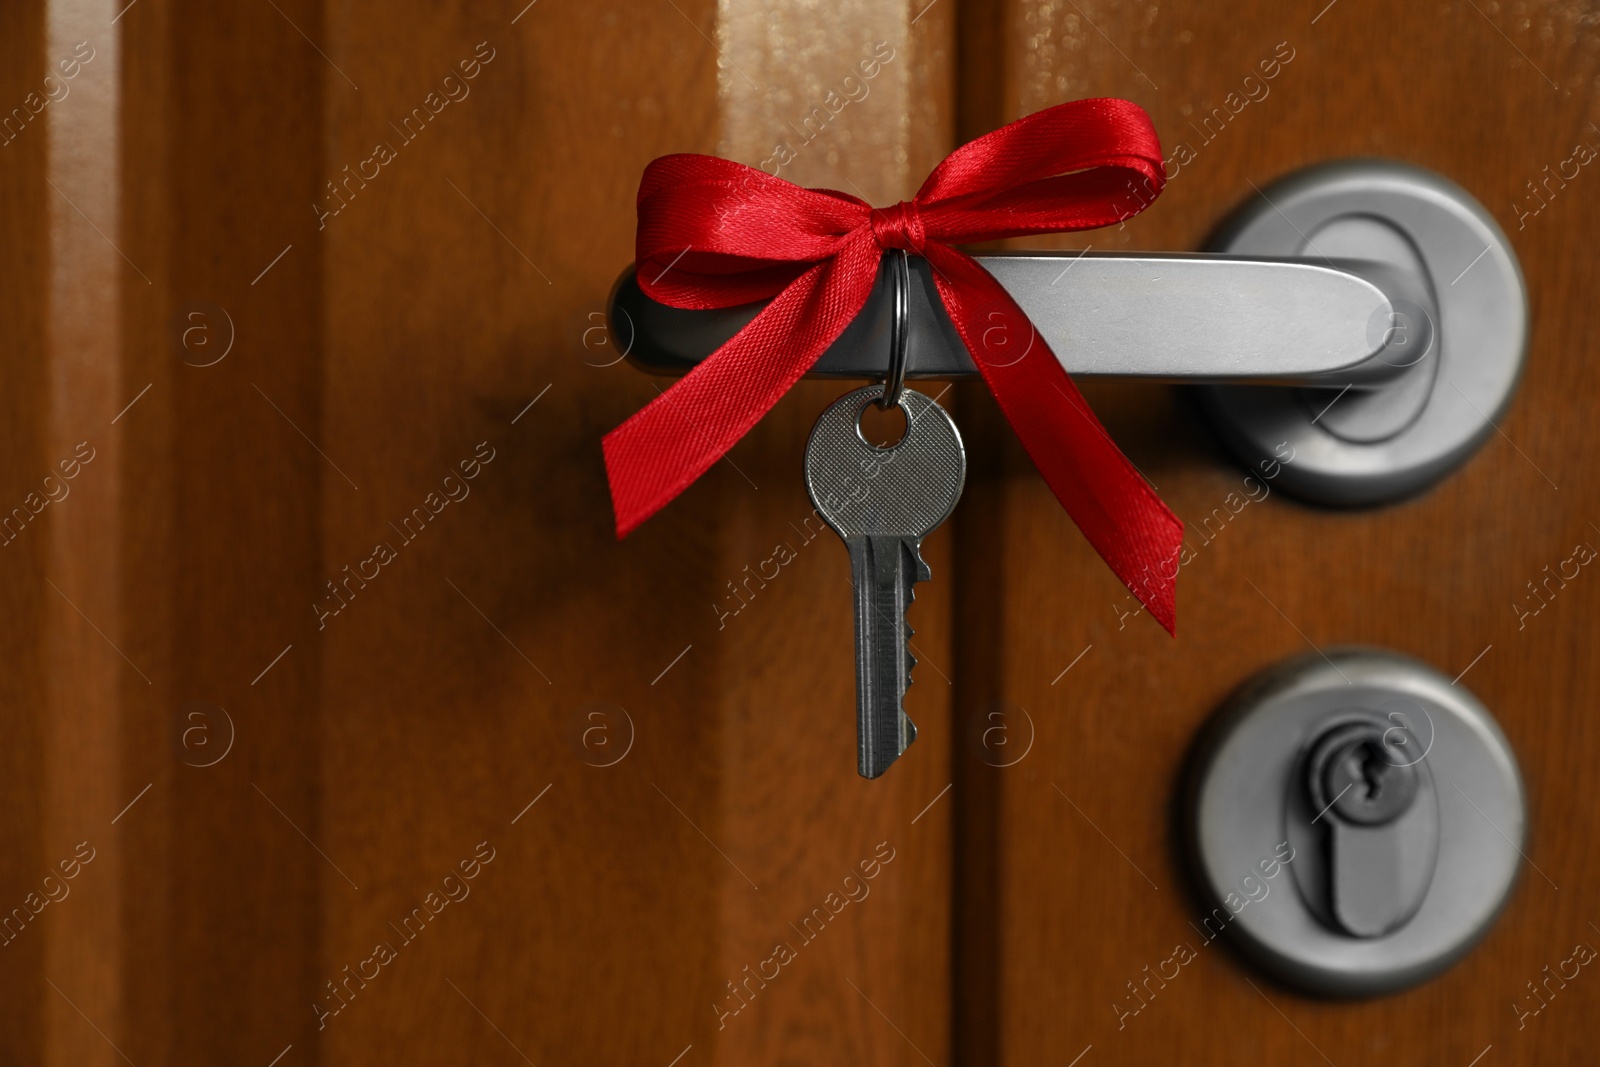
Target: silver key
[883, 502]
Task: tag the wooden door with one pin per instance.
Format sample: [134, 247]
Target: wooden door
[342, 730]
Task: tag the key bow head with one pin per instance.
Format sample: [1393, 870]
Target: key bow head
[905, 490]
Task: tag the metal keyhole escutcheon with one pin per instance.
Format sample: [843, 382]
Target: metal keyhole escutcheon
[1388, 796]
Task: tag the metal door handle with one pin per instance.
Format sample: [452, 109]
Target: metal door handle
[1195, 318]
[1381, 303]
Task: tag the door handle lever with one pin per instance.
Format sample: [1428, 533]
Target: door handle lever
[1167, 317]
[1367, 314]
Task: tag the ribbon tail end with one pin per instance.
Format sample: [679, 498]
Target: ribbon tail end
[628, 517]
[1161, 601]
[1168, 617]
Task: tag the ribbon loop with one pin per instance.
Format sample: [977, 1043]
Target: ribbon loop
[713, 233]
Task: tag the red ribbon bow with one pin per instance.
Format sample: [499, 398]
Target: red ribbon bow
[713, 233]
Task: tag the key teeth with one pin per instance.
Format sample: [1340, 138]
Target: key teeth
[916, 570]
[919, 572]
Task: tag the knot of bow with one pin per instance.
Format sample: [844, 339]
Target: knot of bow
[714, 233]
[900, 227]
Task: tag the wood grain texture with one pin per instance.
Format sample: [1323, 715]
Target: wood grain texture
[1085, 888]
[24, 393]
[90, 686]
[337, 283]
[216, 149]
[374, 327]
[462, 284]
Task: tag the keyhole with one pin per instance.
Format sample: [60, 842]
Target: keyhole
[882, 428]
[1350, 772]
[1372, 772]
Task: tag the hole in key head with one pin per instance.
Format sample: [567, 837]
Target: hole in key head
[881, 427]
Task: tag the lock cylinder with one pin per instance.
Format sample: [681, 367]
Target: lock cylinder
[1378, 825]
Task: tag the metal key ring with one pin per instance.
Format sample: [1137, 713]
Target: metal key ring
[894, 383]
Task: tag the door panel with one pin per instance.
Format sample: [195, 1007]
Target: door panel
[386, 750]
[369, 545]
[467, 684]
[1070, 871]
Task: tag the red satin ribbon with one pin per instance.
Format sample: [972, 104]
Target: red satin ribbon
[713, 233]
